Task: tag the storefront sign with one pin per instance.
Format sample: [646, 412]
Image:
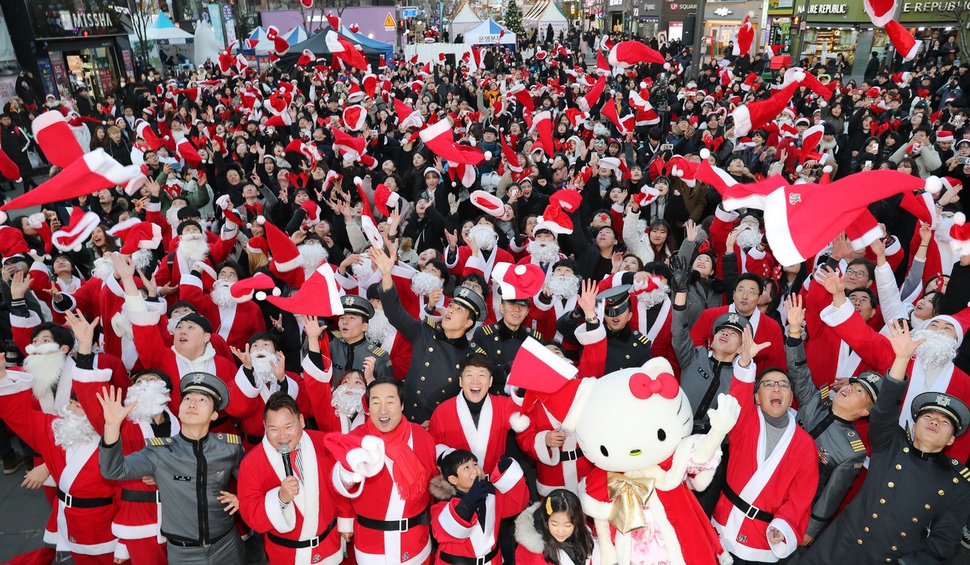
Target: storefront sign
[87, 19]
[832, 12]
[60, 71]
[934, 12]
[723, 12]
[828, 9]
[47, 77]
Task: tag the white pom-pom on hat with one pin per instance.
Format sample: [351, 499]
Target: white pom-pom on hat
[488, 155]
[261, 295]
[827, 169]
[934, 185]
[520, 270]
[519, 422]
[959, 218]
[666, 66]
[3, 217]
[705, 153]
[260, 220]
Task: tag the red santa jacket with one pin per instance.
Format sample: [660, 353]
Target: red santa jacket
[556, 467]
[313, 511]
[828, 356]
[377, 498]
[318, 387]
[473, 539]
[758, 262]
[235, 323]
[452, 427]
[135, 520]
[250, 402]
[86, 531]
[173, 265]
[465, 263]
[782, 483]
[765, 329]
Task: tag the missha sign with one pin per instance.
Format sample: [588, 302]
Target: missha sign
[96, 20]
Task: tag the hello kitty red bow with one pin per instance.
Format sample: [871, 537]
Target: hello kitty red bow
[643, 386]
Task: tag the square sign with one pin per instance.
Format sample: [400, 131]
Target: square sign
[409, 13]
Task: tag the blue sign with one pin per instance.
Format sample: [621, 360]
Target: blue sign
[409, 12]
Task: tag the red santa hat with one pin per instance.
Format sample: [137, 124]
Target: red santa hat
[354, 117]
[56, 139]
[244, 290]
[406, 116]
[77, 231]
[488, 203]
[145, 131]
[751, 116]
[333, 20]
[188, 153]
[367, 221]
[549, 377]
[9, 169]
[87, 175]
[646, 196]
[306, 58]
[225, 204]
[880, 11]
[280, 44]
[745, 37]
[38, 222]
[258, 245]
[355, 94]
[312, 210]
[554, 220]
[903, 41]
[12, 242]
[629, 53]
[944, 136]
[344, 50]
[441, 141]
[523, 97]
[318, 296]
[518, 282]
[384, 200]
[960, 232]
[351, 147]
[593, 96]
[567, 199]
[137, 234]
[285, 256]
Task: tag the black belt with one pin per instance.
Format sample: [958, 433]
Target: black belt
[750, 511]
[571, 455]
[75, 502]
[300, 544]
[395, 525]
[179, 541]
[139, 495]
[255, 440]
[462, 560]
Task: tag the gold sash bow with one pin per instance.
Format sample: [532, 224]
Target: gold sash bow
[628, 496]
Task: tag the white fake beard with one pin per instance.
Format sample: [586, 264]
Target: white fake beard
[378, 327]
[423, 283]
[484, 235]
[313, 256]
[264, 363]
[652, 298]
[173, 322]
[141, 259]
[193, 246]
[121, 324]
[103, 269]
[72, 429]
[172, 216]
[152, 397]
[938, 349]
[347, 400]
[544, 251]
[221, 295]
[942, 233]
[45, 363]
[565, 286]
[748, 238]
[362, 270]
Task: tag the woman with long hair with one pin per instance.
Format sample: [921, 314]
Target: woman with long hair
[554, 530]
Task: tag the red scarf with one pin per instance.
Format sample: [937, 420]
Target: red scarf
[410, 475]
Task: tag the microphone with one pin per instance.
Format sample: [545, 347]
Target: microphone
[285, 453]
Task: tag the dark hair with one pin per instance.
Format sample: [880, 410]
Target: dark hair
[668, 242]
[477, 279]
[281, 401]
[264, 336]
[399, 385]
[475, 360]
[62, 336]
[568, 263]
[157, 372]
[750, 277]
[578, 546]
[373, 291]
[240, 273]
[773, 369]
[659, 269]
[450, 463]
[440, 266]
[181, 304]
[870, 268]
[936, 299]
[873, 300]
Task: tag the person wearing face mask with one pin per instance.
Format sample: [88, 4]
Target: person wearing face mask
[68, 444]
[294, 506]
[470, 505]
[232, 317]
[554, 530]
[136, 524]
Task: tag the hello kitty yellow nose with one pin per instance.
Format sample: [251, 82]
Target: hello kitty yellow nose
[635, 452]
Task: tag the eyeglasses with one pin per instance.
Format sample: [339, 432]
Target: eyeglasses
[773, 384]
[856, 273]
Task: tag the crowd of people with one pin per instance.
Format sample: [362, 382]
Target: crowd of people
[292, 340]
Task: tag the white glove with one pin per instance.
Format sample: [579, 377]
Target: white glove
[725, 415]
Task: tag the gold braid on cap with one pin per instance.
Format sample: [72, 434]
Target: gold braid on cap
[549, 505]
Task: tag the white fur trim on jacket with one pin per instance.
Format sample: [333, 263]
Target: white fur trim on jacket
[835, 315]
[283, 519]
[509, 478]
[589, 337]
[787, 547]
[90, 375]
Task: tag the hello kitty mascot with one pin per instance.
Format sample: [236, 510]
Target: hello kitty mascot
[635, 426]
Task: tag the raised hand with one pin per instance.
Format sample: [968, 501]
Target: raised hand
[114, 410]
[680, 273]
[831, 280]
[452, 237]
[123, 266]
[19, 285]
[243, 356]
[383, 261]
[587, 298]
[83, 330]
[796, 311]
[750, 349]
[693, 230]
[903, 345]
[312, 328]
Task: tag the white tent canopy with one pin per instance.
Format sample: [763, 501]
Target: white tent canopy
[489, 32]
[464, 19]
[543, 14]
[207, 46]
[166, 33]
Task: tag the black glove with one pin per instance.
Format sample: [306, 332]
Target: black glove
[680, 273]
[470, 500]
[504, 463]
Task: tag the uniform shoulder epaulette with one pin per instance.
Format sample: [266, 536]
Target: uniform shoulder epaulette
[961, 469]
[536, 334]
[857, 445]
[378, 351]
[159, 441]
[228, 438]
[480, 350]
[337, 334]
[488, 330]
[824, 392]
[643, 339]
[430, 321]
